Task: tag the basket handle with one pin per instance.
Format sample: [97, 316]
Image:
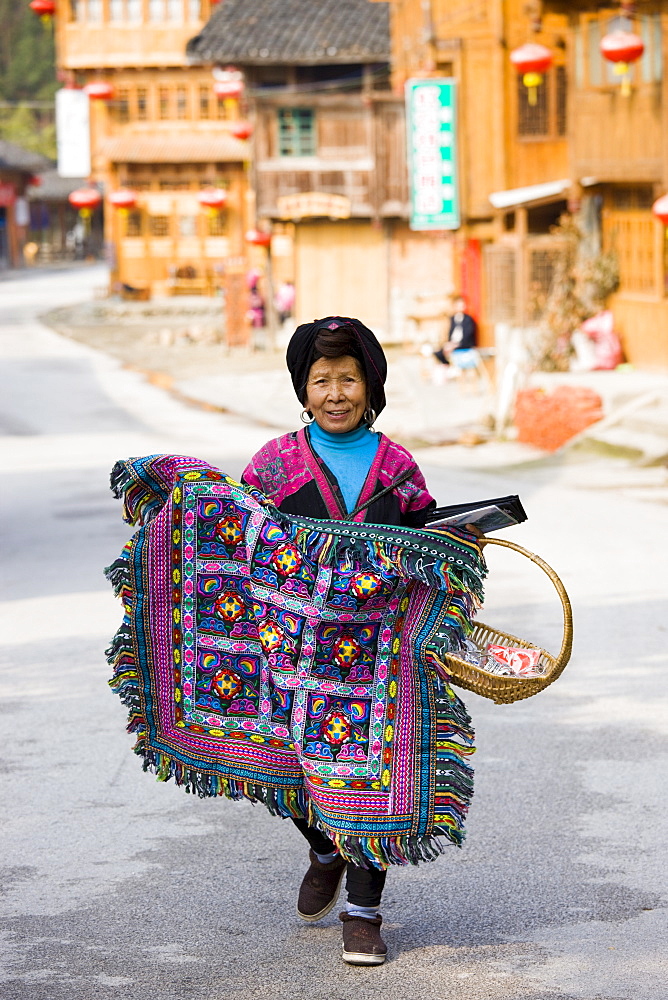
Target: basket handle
[567, 641]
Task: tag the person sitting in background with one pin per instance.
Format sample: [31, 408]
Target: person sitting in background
[462, 335]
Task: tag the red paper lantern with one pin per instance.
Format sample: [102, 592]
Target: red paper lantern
[228, 89]
[43, 8]
[124, 199]
[242, 130]
[258, 238]
[532, 60]
[622, 48]
[85, 200]
[99, 90]
[660, 210]
[212, 198]
[229, 83]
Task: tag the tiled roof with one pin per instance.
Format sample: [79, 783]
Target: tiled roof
[254, 32]
[13, 157]
[53, 187]
[204, 148]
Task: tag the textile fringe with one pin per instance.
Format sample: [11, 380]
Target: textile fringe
[118, 574]
[291, 803]
[457, 564]
[381, 852]
[140, 504]
[284, 802]
[125, 680]
[393, 558]
[120, 652]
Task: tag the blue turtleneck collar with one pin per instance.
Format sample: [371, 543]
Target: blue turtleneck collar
[341, 442]
[349, 456]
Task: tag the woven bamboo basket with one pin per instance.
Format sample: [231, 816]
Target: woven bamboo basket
[504, 690]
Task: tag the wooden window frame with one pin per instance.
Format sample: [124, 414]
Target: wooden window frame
[155, 5]
[204, 95]
[217, 223]
[164, 103]
[123, 106]
[189, 229]
[99, 7]
[130, 4]
[282, 139]
[182, 102]
[153, 225]
[143, 104]
[134, 224]
[123, 12]
[554, 86]
[181, 19]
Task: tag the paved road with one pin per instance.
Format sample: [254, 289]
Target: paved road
[116, 887]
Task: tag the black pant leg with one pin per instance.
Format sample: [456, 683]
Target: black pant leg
[364, 885]
[317, 840]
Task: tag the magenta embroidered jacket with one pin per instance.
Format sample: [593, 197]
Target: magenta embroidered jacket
[298, 481]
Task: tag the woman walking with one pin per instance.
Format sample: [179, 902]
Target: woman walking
[338, 467]
[276, 644]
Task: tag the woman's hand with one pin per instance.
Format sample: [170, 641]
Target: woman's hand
[478, 534]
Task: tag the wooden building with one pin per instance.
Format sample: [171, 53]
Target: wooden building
[618, 159]
[512, 154]
[17, 166]
[162, 133]
[582, 146]
[56, 232]
[329, 162]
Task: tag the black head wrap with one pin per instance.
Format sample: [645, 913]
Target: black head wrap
[301, 351]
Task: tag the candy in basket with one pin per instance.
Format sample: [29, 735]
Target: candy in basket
[501, 666]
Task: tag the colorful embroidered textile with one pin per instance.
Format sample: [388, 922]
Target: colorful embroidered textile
[285, 659]
[287, 468]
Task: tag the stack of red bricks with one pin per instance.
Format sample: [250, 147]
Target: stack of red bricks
[548, 420]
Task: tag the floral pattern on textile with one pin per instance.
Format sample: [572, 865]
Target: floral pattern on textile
[285, 660]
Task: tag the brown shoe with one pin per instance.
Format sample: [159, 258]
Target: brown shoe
[320, 888]
[362, 943]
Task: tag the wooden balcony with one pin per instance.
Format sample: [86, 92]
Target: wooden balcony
[616, 138]
[360, 156]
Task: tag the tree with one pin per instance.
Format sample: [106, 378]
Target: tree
[22, 125]
[27, 74]
[27, 55]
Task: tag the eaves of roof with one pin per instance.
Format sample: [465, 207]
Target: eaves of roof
[13, 157]
[295, 32]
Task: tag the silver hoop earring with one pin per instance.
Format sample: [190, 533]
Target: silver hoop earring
[306, 417]
[369, 417]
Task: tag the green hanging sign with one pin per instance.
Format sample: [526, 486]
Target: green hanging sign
[431, 120]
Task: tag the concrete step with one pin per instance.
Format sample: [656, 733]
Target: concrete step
[644, 446]
[650, 420]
